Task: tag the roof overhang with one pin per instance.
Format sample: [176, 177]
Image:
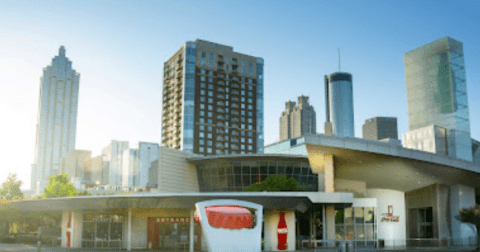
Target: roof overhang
[269, 200]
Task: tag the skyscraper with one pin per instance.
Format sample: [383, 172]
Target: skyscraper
[297, 120]
[212, 100]
[339, 105]
[56, 120]
[113, 158]
[378, 128]
[137, 163]
[437, 93]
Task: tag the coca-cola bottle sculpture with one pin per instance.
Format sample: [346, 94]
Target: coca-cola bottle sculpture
[282, 232]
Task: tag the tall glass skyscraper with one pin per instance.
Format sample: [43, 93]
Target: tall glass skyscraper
[57, 119]
[437, 93]
[339, 105]
[212, 100]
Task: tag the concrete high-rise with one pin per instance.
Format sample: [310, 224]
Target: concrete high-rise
[437, 93]
[57, 119]
[212, 100]
[379, 128]
[297, 120]
[339, 105]
[74, 164]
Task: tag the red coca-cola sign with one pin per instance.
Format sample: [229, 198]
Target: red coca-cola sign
[282, 232]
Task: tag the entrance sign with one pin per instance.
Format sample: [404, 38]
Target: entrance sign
[282, 232]
[173, 220]
[231, 225]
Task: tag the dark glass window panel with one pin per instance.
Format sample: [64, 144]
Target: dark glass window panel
[304, 180]
[263, 168]
[221, 171]
[246, 180]
[339, 232]
[359, 232]
[246, 170]
[297, 177]
[238, 180]
[263, 177]
[230, 181]
[429, 214]
[116, 231]
[281, 168]
[339, 214]
[102, 230]
[255, 171]
[359, 215]
[369, 215]
[297, 170]
[272, 168]
[349, 233]
[237, 170]
[88, 230]
[304, 170]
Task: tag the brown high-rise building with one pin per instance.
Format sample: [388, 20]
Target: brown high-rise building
[298, 120]
[212, 100]
[379, 128]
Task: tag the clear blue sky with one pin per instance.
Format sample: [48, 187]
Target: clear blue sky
[119, 49]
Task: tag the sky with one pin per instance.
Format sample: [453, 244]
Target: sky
[119, 49]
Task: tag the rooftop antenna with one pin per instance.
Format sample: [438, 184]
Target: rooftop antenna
[339, 70]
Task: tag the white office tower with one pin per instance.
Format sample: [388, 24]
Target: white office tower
[137, 163]
[56, 120]
[339, 105]
[113, 154]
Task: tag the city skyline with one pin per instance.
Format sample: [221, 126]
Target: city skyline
[120, 96]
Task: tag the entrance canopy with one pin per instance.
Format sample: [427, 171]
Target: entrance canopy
[298, 200]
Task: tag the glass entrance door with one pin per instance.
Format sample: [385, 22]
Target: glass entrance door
[173, 236]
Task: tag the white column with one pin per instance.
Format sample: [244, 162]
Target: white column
[72, 232]
[192, 227]
[129, 232]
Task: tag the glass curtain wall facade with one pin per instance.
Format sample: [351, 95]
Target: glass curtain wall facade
[102, 230]
[235, 176]
[339, 105]
[356, 224]
[437, 93]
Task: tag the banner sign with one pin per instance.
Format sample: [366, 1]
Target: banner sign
[173, 220]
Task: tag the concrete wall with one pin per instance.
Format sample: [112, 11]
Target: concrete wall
[271, 219]
[358, 188]
[390, 231]
[174, 173]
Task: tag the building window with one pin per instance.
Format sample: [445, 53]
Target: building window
[210, 56]
[202, 113]
[209, 142]
[202, 106]
[202, 120]
[201, 149]
[203, 54]
[210, 86]
[421, 222]
[201, 142]
[102, 230]
[202, 99]
[210, 93]
[209, 150]
[250, 94]
[202, 92]
[202, 85]
[210, 63]
[210, 80]
[204, 62]
[243, 70]
[202, 78]
[243, 63]
[210, 114]
[210, 73]
[250, 100]
[250, 72]
[210, 107]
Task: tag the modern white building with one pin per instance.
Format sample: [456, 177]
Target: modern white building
[56, 120]
[364, 193]
[113, 154]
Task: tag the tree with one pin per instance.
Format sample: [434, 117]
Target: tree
[471, 216]
[11, 188]
[275, 183]
[8, 215]
[58, 186]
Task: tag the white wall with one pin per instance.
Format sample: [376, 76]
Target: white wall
[175, 174]
[390, 231]
[461, 196]
[76, 240]
[270, 238]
